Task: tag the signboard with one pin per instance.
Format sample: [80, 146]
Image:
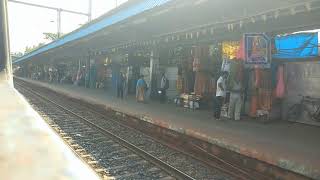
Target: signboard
[230, 49]
[296, 46]
[257, 50]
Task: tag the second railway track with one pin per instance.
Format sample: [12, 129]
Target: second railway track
[123, 152]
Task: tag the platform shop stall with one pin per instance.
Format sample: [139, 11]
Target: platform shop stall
[89, 72]
[298, 55]
[138, 65]
[275, 71]
[114, 64]
[131, 65]
[198, 70]
[79, 73]
[66, 70]
[232, 62]
[168, 64]
[51, 71]
[31, 70]
[248, 60]
[100, 66]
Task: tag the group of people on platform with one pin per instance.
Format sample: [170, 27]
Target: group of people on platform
[142, 88]
[236, 96]
[235, 89]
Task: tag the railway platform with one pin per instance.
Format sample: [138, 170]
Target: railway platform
[288, 145]
[29, 148]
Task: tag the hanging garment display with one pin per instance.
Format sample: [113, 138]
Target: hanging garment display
[201, 60]
[261, 92]
[265, 79]
[201, 83]
[186, 75]
[280, 89]
[196, 65]
[241, 52]
[265, 90]
[274, 73]
[264, 99]
[257, 72]
[253, 106]
[179, 84]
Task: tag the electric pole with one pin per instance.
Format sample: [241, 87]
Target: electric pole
[59, 10]
[90, 11]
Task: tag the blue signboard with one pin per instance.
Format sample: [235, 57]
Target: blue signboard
[295, 46]
[257, 50]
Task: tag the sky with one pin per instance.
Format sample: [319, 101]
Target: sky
[27, 24]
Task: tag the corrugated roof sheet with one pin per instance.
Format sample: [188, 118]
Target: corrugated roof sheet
[108, 21]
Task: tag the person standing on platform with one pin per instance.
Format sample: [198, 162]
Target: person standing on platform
[236, 95]
[120, 86]
[141, 89]
[220, 94]
[164, 85]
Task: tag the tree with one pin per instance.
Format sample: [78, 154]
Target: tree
[48, 36]
[16, 55]
[51, 36]
[28, 49]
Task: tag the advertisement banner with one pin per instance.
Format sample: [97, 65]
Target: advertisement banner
[295, 46]
[230, 49]
[257, 50]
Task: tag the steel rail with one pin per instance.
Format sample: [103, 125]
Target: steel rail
[217, 163]
[226, 167]
[145, 155]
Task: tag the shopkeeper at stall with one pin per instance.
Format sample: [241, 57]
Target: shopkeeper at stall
[220, 94]
[236, 95]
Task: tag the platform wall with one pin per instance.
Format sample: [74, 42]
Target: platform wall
[302, 78]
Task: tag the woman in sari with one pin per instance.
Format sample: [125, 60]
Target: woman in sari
[141, 89]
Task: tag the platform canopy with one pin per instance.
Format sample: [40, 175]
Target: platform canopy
[139, 21]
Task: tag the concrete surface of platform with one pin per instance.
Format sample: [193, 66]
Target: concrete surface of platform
[29, 148]
[291, 146]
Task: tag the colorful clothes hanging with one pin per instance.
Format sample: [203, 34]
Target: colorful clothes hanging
[179, 84]
[241, 52]
[201, 83]
[280, 89]
[196, 64]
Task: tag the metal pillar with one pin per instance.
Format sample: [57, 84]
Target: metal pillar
[5, 63]
[59, 10]
[90, 11]
[59, 22]
[154, 66]
[87, 74]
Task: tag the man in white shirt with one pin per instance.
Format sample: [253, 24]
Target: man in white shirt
[220, 94]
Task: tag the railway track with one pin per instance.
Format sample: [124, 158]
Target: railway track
[123, 152]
